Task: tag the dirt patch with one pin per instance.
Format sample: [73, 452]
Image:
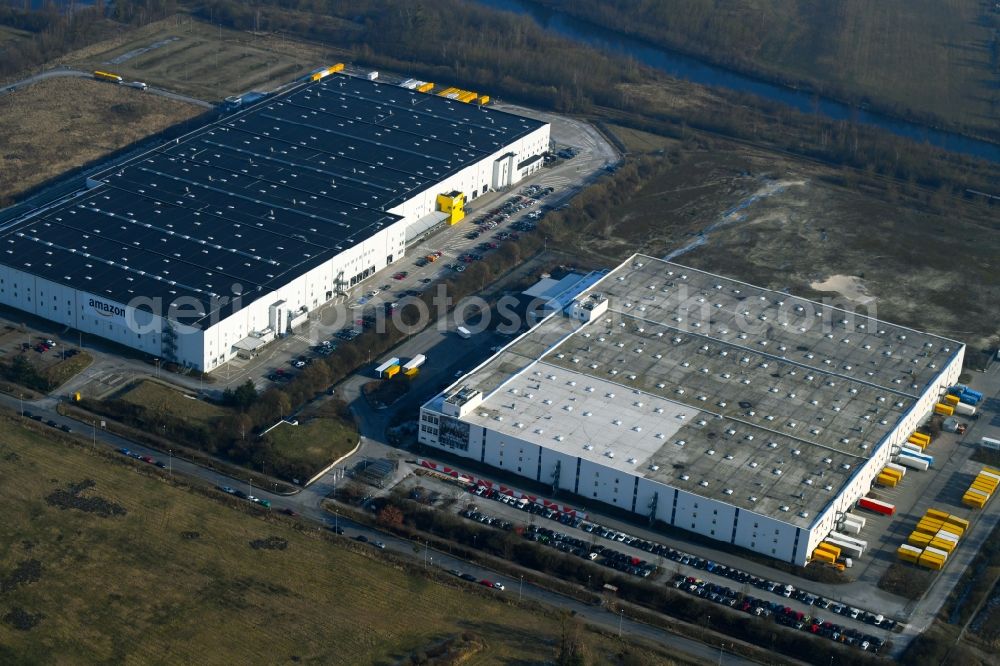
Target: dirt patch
[270, 543]
[25, 573]
[71, 498]
[190, 536]
[850, 287]
[21, 619]
[788, 225]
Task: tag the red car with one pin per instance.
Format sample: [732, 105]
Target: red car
[400, 275]
[148, 459]
[487, 583]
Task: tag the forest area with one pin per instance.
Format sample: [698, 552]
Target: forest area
[930, 61]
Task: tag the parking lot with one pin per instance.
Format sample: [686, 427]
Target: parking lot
[641, 556]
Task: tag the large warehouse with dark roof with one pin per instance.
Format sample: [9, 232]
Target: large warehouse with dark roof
[230, 235]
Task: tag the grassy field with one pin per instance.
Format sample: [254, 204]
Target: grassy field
[161, 399]
[59, 124]
[133, 569]
[316, 442]
[784, 223]
[198, 59]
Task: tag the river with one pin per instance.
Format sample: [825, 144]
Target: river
[691, 69]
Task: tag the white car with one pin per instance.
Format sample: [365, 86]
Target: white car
[499, 586]
[459, 374]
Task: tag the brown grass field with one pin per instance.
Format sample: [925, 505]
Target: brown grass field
[58, 124]
[160, 398]
[201, 60]
[175, 580]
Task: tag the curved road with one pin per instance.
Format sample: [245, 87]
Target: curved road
[61, 72]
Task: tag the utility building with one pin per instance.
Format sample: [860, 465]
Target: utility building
[212, 244]
[740, 413]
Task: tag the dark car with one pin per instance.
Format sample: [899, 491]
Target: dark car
[52, 423]
[26, 413]
[336, 529]
[468, 577]
[289, 512]
[66, 428]
[362, 538]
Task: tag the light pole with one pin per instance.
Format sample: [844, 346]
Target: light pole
[93, 425]
[20, 396]
[519, 586]
[170, 462]
[336, 522]
[621, 619]
[251, 486]
[425, 553]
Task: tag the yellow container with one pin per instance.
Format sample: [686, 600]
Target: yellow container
[908, 553]
[485, 99]
[974, 501]
[929, 525]
[824, 556]
[947, 410]
[829, 547]
[930, 562]
[427, 87]
[391, 371]
[922, 443]
[987, 488]
[886, 480]
[942, 544]
[467, 97]
[990, 475]
[958, 522]
[951, 400]
[893, 472]
[936, 513]
[921, 436]
[919, 539]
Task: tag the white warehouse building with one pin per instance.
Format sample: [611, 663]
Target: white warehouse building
[216, 242]
[739, 413]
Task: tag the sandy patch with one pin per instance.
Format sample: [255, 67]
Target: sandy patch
[850, 287]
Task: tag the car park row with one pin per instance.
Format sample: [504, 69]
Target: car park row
[619, 561]
[781, 613]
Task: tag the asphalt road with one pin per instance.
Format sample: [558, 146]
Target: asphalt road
[62, 72]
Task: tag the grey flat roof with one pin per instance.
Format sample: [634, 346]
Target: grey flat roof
[721, 388]
[259, 197]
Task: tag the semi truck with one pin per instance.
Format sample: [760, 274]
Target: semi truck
[108, 76]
